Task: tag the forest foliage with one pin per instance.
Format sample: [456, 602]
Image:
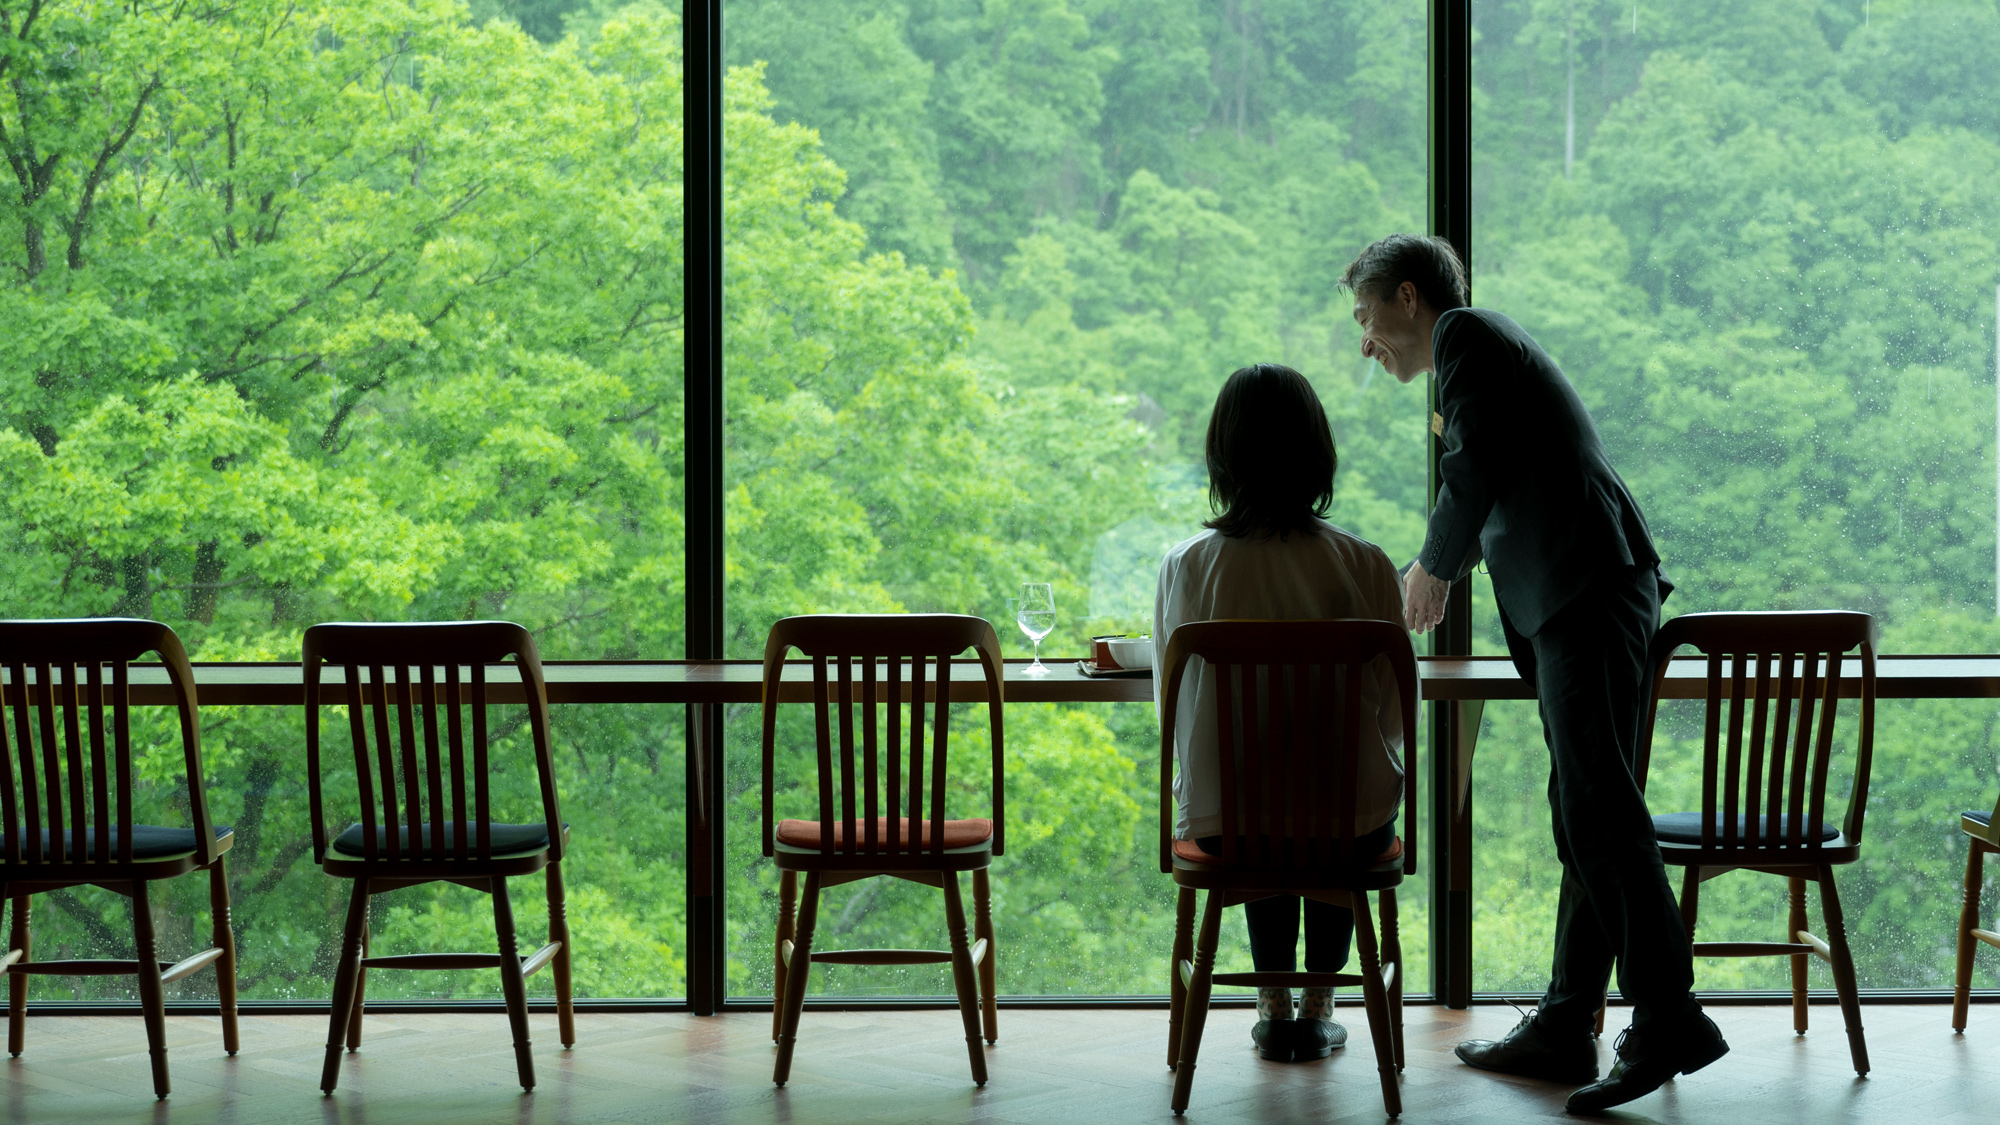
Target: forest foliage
[334, 309]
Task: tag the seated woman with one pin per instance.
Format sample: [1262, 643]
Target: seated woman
[1268, 554]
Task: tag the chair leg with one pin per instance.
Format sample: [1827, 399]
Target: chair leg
[1176, 987]
[225, 940]
[1392, 955]
[1196, 1004]
[1376, 997]
[511, 984]
[346, 972]
[788, 894]
[1968, 921]
[964, 978]
[1843, 968]
[989, 973]
[1799, 965]
[360, 986]
[797, 978]
[559, 931]
[152, 994]
[17, 983]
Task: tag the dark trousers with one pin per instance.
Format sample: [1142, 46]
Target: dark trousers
[1274, 922]
[1589, 668]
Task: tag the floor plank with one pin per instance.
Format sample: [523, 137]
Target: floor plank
[1050, 1065]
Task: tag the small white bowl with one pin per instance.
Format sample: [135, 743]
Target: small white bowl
[1131, 652]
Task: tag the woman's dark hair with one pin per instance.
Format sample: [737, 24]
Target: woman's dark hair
[1271, 458]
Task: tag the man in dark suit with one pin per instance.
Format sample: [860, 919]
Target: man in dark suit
[1527, 486]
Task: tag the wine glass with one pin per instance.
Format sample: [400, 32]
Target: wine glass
[1035, 613]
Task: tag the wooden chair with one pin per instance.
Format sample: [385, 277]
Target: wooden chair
[873, 821]
[69, 815]
[416, 823]
[1983, 832]
[1763, 797]
[1289, 791]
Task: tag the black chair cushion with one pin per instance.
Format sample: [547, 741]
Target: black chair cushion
[508, 839]
[1980, 817]
[149, 841]
[1685, 828]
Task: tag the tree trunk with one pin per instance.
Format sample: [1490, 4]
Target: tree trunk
[202, 591]
[137, 600]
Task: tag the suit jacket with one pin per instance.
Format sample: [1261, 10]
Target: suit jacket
[1526, 482]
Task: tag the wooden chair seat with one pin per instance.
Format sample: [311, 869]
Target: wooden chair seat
[510, 841]
[150, 843]
[1979, 820]
[1297, 686]
[1685, 828]
[1191, 853]
[960, 836]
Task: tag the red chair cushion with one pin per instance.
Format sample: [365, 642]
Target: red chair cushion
[1191, 852]
[957, 833]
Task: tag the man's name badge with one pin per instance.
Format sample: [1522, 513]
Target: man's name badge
[1437, 423]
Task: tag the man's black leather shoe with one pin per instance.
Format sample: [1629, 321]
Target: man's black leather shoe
[1316, 1039]
[1646, 1061]
[1531, 1051]
[1274, 1039]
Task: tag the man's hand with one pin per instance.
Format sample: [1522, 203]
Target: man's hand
[1423, 599]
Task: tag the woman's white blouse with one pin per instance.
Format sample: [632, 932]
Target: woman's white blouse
[1321, 573]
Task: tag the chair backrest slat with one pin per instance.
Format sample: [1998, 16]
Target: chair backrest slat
[100, 780]
[1767, 753]
[433, 758]
[1291, 707]
[915, 770]
[901, 773]
[1732, 769]
[65, 795]
[940, 730]
[455, 731]
[1823, 743]
[13, 754]
[24, 741]
[482, 791]
[72, 731]
[1349, 677]
[849, 825]
[413, 804]
[121, 749]
[385, 759]
[52, 798]
[1760, 716]
[871, 781]
[1801, 755]
[357, 710]
[421, 795]
[1781, 739]
[892, 737]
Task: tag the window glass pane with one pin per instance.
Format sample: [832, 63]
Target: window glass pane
[1752, 237]
[987, 266]
[351, 311]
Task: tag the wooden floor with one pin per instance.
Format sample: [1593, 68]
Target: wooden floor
[910, 1066]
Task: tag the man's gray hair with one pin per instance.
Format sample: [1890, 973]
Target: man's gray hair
[1425, 261]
